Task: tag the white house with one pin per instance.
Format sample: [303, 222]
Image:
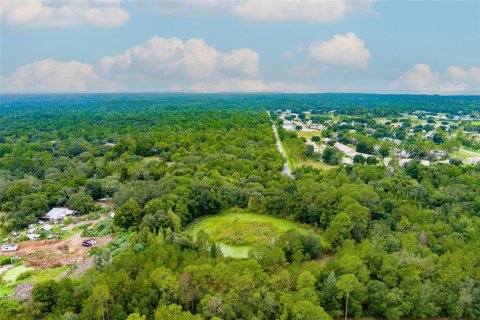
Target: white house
[46, 227]
[33, 236]
[9, 247]
[58, 214]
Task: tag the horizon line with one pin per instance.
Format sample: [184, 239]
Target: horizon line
[472, 94]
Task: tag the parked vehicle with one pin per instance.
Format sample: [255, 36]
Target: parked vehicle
[89, 242]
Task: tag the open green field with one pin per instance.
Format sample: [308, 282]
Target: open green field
[10, 278]
[5, 291]
[465, 153]
[314, 164]
[309, 134]
[290, 159]
[12, 274]
[237, 231]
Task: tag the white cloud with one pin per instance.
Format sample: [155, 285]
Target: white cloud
[292, 10]
[459, 74]
[421, 79]
[313, 11]
[47, 76]
[67, 13]
[241, 85]
[172, 58]
[345, 49]
[161, 64]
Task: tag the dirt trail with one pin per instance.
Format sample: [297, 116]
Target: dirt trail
[56, 253]
[287, 172]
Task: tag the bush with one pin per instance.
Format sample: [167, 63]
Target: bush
[68, 220]
[5, 260]
[101, 229]
[24, 275]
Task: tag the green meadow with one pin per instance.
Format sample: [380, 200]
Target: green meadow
[237, 231]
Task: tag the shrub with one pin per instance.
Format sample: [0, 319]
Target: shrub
[5, 260]
[24, 275]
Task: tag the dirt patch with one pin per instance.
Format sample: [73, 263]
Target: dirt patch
[23, 291]
[83, 266]
[56, 253]
[324, 258]
[4, 269]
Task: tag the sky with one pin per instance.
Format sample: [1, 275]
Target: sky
[421, 47]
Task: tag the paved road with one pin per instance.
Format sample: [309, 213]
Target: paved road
[287, 172]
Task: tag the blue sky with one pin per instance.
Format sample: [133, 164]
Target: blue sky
[240, 45]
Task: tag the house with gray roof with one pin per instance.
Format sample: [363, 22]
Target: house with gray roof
[58, 214]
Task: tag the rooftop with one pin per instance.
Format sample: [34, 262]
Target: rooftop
[59, 213]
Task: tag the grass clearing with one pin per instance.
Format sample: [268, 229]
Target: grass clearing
[315, 164]
[237, 230]
[5, 291]
[309, 134]
[12, 274]
[290, 159]
[465, 153]
[151, 159]
[40, 275]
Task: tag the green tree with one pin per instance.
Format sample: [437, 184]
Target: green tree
[339, 229]
[128, 214]
[346, 284]
[174, 312]
[81, 202]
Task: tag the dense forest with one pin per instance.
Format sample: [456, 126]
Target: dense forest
[400, 241]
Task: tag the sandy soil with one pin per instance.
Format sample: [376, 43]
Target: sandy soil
[55, 253]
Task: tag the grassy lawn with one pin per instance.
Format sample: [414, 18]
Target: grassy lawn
[315, 164]
[5, 291]
[12, 274]
[34, 275]
[463, 154]
[295, 161]
[150, 159]
[237, 230]
[47, 274]
[290, 159]
[309, 134]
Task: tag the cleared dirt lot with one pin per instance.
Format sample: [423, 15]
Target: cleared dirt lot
[55, 253]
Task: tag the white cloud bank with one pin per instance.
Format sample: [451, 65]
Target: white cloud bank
[345, 49]
[47, 76]
[421, 79]
[161, 64]
[324, 11]
[109, 13]
[63, 14]
[242, 85]
[312, 11]
[174, 58]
